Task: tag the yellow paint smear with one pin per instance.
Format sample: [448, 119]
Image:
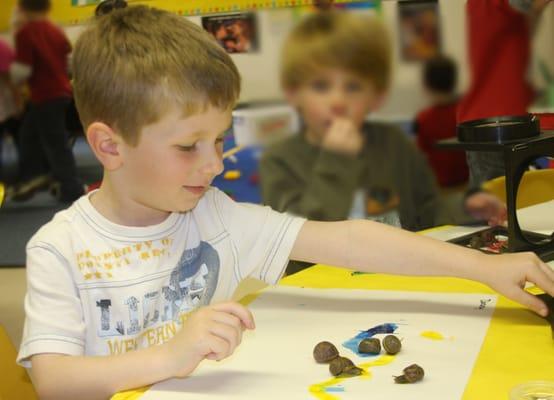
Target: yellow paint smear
[432, 335]
[318, 389]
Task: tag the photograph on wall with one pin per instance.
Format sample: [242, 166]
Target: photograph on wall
[419, 29]
[237, 33]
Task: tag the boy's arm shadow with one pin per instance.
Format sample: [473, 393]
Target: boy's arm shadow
[397, 306]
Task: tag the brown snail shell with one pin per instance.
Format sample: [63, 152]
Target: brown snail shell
[369, 346]
[343, 365]
[412, 373]
[392, 344]
[352, 371]
[325, 352]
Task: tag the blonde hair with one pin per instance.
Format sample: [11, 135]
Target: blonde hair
[354, 42]
[133, 64]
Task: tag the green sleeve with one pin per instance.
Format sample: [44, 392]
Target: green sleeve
[425, 192]
[433, 209]
[327, 193]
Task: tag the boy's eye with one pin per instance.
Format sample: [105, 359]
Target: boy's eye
[319, 85]
[192, 147]
[187, 148]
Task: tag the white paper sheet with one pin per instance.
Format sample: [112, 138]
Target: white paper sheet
[275, 361]
[538, 218]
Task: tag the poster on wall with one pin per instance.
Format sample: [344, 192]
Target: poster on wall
[73, 12]
[236, 33]
[419, 30]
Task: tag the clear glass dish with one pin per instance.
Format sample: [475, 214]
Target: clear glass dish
[534, 390]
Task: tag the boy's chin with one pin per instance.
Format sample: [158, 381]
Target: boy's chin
[186, 206]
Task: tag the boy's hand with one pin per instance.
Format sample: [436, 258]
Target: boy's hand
[343, 137]
[486, 207]
[508, 273]
[211, 332]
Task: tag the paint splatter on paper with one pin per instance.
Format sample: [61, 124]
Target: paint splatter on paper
[352, 344]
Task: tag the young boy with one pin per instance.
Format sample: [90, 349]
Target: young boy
[112, 279]
[335, 70]
[438, 121]
[42, 50]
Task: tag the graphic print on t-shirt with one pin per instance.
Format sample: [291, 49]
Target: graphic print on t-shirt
[153, 316]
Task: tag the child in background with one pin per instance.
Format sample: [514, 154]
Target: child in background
[125, 286]
[439, 122]
[336, 68]
[42, 51]
[8, 96]
[498, 80]
[8, 104]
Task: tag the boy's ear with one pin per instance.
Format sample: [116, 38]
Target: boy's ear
[105, 143]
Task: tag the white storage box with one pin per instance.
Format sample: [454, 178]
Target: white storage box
[263, 125]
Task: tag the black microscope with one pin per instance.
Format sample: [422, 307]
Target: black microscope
[521, 141]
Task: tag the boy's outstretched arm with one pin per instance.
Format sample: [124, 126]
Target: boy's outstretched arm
[210, 332]
[373, 247]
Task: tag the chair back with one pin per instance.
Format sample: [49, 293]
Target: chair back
[536, 186]
[14, 380]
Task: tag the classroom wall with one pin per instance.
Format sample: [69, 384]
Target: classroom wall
[405, 98]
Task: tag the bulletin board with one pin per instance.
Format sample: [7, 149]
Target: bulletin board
[70, 12]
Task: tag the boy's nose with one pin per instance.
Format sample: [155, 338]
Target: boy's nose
[338, 103]
[213, 164]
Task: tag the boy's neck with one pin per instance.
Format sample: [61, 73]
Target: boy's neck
[120, 210]
[34, 16]
[312, 138]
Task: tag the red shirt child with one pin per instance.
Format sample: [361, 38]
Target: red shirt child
[44, 47]
[499, 52]
[439, 122]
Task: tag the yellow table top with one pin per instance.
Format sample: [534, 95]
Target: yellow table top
[518, 346]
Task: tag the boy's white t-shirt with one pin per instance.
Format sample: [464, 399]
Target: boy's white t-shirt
[98, 288]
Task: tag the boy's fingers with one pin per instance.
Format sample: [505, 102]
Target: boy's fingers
[548, 270]
[531, 302]
[231, 334]
[544, 279]
[239, 311]
[228, 319]
[219, 348]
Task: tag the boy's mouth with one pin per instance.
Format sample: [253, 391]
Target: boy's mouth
[198, 190]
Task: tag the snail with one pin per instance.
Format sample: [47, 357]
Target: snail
[391, 344]
[343, 365]
[369, 346]
[324, 352]
[412, 373]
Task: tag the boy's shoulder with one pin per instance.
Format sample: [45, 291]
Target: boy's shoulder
[379, 133]
[288, 146]
[60, 228]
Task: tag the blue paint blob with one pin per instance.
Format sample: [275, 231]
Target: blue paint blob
[334, 389]
[353, 343]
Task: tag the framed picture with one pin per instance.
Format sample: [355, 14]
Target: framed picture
[419, 29]
[237, 32]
